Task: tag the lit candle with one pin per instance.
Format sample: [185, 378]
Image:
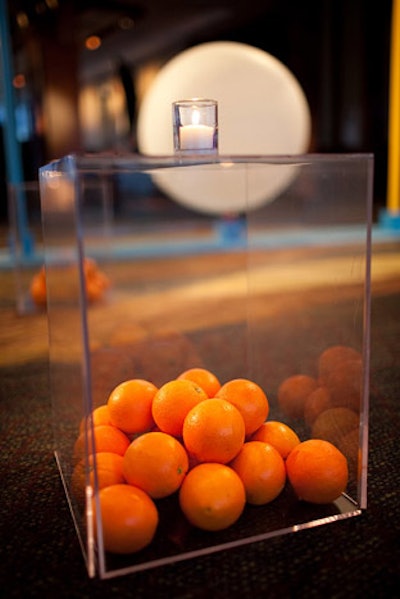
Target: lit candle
[196, 136]
[195, 125]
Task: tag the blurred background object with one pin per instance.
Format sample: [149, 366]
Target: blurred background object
[81, 68]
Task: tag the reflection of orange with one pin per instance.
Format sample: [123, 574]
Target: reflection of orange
[262, 471]
[129, 518]
[172, 402]
[334, 423]
[317, 471]
[249, 399]
[157, 463]
[206, 379]
[318, 401]
[214, 431]
[212, 496]
[129, 405]
[293, 393]
[279, 435]
[334, 356]
[106, 438]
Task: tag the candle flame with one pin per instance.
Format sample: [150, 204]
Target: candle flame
[195, 116]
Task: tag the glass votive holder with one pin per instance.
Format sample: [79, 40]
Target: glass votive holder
[195, 124]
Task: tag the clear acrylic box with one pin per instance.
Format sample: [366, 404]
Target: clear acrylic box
[258, 284]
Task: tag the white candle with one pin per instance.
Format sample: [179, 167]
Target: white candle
[196, 137]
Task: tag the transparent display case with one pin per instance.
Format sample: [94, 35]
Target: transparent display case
[249, 267]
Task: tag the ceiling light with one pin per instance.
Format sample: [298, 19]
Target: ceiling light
[93, 42]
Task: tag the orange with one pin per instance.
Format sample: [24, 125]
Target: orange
[317, 471]
[335, 423]
[95, 280]
[106, 438]
[262, 471]
[38, 288]
[129, 518]
[157, 463]
[277, 434]
[203, 378]
[213, 431]
[108, 470]
[332, 357]
[318, 401]
[249, 399]
[172, 402]
[100, 415]
[293, 393]
[212, 496]
[129, 405]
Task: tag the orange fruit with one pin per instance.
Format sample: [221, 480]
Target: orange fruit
[108, 469]
[106, 438]
[277, 434]
[157, 463]
[38, 288]
[249, 399]
[96, 281]
[100, 415]
[318, 401]
[203, 378]
[213, 431]
[129, 518]
[262, 471]
[212, 496]
[172, 402]
[332, 357]
[335, 423]
[293, 393]
[317, 471]
[129, 405]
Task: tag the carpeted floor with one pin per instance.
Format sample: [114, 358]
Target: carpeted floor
[358, 557]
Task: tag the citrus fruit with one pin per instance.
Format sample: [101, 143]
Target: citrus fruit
[293, 393]
[318, 401]
[38, 288]
[105, 438]
[262, 471]
[317, 471]
[157, 463]
[203, 378]
[100, 415]
[277, 434]
[212, 496]
[249, 399]
[334, 423]
[129, 518]
[213, 431]
[332, 357]
[172, 402]
[108, 470]
[129, 405]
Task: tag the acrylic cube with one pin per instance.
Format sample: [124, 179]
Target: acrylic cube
[250, 267]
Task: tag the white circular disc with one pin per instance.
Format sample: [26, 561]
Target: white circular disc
[262, 110]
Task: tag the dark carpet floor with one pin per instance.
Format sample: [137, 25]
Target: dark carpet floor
[358, 557]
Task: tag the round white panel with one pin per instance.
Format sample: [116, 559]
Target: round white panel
[262, 110]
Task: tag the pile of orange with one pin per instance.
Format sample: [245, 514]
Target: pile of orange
[210, 444]
[96, 283]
